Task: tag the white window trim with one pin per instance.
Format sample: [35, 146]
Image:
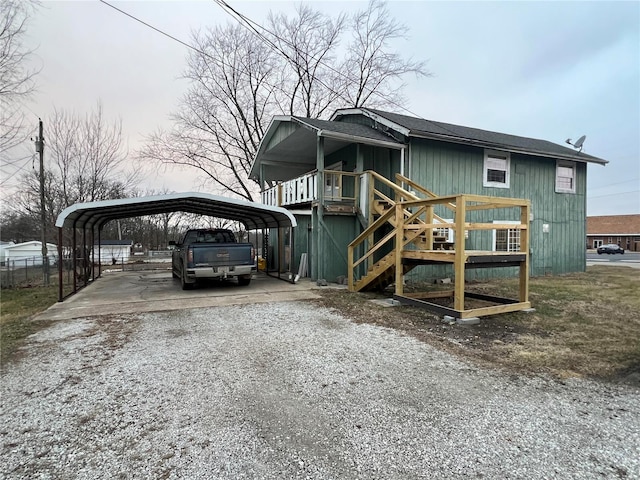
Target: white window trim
[450, 231]
[504, 222]
[566, 164]
[507, 178]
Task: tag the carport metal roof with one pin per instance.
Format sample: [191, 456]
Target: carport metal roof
[253, 215]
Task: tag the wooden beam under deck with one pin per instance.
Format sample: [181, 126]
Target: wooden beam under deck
[505, 305]
[470, 256]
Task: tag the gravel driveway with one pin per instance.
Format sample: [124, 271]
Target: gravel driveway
[290, 390]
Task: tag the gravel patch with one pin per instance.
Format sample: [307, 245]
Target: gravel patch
[290, 390]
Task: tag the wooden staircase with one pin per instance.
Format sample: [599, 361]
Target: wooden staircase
[382, 272]
[401, 235]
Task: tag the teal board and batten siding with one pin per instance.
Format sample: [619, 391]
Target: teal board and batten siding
[449, 169]
[332, 253]
[302, 243]
[331, 257]
[283, 131]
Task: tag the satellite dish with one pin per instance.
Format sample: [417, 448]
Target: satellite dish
[578, 144]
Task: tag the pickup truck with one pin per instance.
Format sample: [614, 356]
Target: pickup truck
[211, 254]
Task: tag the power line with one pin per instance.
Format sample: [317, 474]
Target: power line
[613, 194]
[14, 161]
[218, 61]
[18, 170]
[617, 183]
[151, 26]
[249, 24]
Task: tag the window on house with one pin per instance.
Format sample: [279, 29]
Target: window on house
[332, 182]
[506, 240]
[565, 177]
[496, 169]
[444, 234]
[597, 243]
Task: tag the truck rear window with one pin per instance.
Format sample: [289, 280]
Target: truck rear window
[210, 236]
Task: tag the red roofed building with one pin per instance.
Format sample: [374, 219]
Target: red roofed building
[623, 230]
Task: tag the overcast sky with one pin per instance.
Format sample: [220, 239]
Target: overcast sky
[548, 70]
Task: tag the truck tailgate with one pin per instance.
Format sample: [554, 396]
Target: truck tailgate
[213, 255]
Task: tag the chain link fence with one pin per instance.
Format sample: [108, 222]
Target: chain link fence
[27, 271]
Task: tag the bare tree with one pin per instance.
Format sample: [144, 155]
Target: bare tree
[16, 79]
[241, 78]
[233, 94]
[307, 43]
[88, 157]
[87, 160]
[373, 72]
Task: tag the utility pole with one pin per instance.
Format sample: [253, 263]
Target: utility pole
[43, 216]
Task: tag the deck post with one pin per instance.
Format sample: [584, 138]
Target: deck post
[399, 247]
[429, 231]
[524, 248]
[460, 214]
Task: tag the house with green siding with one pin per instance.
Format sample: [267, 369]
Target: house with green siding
[324, 171]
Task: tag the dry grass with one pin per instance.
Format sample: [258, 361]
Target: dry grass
[585, 324]
[17, 306]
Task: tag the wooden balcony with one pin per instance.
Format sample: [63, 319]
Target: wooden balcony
[340, 190]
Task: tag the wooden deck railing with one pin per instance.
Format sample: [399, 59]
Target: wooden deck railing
[338, 187]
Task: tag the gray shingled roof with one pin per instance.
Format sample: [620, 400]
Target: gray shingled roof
[429, 128]
[346, 128]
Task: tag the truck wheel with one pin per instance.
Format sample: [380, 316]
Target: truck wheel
[183, 282]
[244, 280]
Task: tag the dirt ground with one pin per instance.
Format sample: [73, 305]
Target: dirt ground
[498, 341]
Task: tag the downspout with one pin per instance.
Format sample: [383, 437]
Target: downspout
[320, 206]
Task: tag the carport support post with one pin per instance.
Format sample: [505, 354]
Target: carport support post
[60, 260]
[74, 260]
[93, 254]
[280, 251]
[292, 255]
[84, 256]
[99, 251]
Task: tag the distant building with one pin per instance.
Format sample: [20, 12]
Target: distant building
[623, 230]
[28, 251]
[113, 251]
[3, 245]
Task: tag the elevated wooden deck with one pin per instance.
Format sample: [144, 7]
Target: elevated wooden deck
[471, 258]
[386, 256]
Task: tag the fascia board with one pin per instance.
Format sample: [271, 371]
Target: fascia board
[477, 143]
[357, 139]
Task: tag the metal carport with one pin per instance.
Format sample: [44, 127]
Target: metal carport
[92, 216]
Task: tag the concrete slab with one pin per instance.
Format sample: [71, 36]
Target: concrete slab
[468, 321]
[120, 292]
[386, 302]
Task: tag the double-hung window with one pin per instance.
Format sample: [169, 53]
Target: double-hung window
[506, 240]
[565, 177]
[444, 234]
[496, 169]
